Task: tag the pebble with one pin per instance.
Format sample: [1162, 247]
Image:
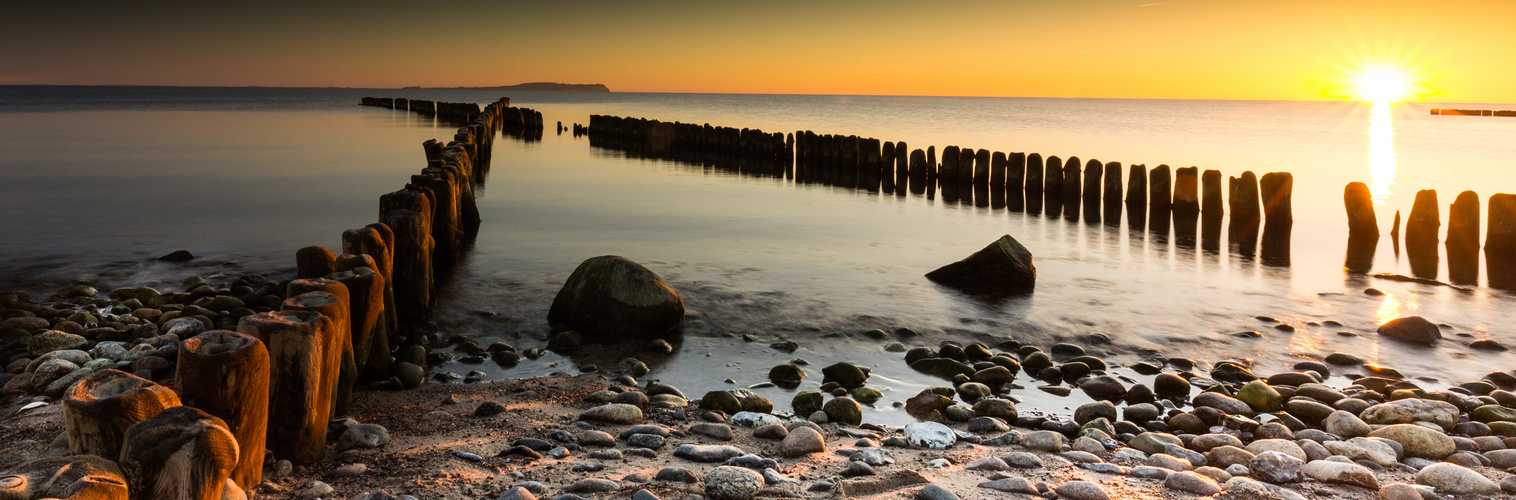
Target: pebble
[676, 475]
[1456, 480]
[801, 442]
[316, 489]
[1081, 490]
[643, 494]
[596, 438]
[615, 413]
[1012, 484]
[1048, 441]
[988, 464]
[649, 441]
[935, 492]
[1328, 471]
[468, 457]
[753, 462]
[349, 470]
[857, 469]
[707, 453]
[873, 456]
[517, 493]
[1023, 460]
[930, 435]
[721, 432]
[591, 485]
[1275, 467]
[1192, 482]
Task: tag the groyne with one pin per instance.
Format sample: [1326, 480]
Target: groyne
[1158, 199]
[1422, 236]
[1474, 112]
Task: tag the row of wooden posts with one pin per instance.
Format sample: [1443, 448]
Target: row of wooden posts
[1422, 228]
[1473, 112]
[1013, 181]
[521, 122]
[276, 382]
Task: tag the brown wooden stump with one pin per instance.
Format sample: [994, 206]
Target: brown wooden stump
[1034, 183]
[917, 173]
[1052, 186]
[1112, 196]
[336, 305]
[982, 167]
[226, 374]
[1160, 199]
[301, 376]
[1210, 210]
[1137, 197]
[77, 477]
[1360, 206]
[314, 262]
[1463, 239]
[365, 290]
[1276, 189]
[1072, 188]
[1246, 221]
[413, 265]
[1094, 173]
[181, 453]
[1186, 204]
[997, 185]
[1015, 182]
[98, 410]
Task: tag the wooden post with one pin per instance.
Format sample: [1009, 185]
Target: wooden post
[982, 167]
[1112, 196]
[1160, 199]
[98, 410]
[1015, 181]
[1137, 197]
[413, 265]
[181, 453]
[1463, 239]
[1211, 210]
[307, 295]
[1276, 188]
[226, 374]
[918, 171]
[1072, 188]
[997, 180]
[365, 290]
[1422, 226]
[902, 168]
[1052, 186]
[314, 262]
[1360, 207]
[1245, 222]
[1186, 196]
[1094, 172]
[300, 380]
[1500, 242]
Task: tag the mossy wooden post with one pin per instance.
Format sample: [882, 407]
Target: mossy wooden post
[1211, 210]
[1052, 186]
[226, 374]
[1463, 239]
[306, 295]
[1094, 175]
[1015, 181]
[98, 410]
[314, 262]
[301, 372]
[1137, 197]
[1278, 217]
[365, 290]
[181, 453]
[1072, 188]
[1111, 197]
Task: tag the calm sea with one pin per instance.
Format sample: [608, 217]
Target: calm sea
[100, 181]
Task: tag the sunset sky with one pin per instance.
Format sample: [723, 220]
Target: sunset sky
[1455, 51]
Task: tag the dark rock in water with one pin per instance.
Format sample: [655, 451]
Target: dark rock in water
[846, 374]
[178, 256]
[1413, 329]
[1343, 359]
[613, 296]
[489, 409]
[1001, 269]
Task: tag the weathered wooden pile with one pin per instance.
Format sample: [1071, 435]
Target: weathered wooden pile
[278, 379]
[1422, 228]
[1188, 200]
[522, 122]
[745, 150]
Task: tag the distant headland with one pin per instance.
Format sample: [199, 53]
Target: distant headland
[538, 87]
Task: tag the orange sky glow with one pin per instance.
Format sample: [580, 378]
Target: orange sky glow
[1184, 49]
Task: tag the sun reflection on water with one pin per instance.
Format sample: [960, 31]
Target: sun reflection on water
[1381, 153]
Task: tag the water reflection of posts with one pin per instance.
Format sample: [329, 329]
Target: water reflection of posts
[1242, 228]
[1210, 210]
[1034, 182]
[1500, 242]
[1421, 234]
[1137, 198]
[1363, 228]
[1160, 199]
[1463, 239]
[1276, 188]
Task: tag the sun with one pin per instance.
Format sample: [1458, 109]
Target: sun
[1381, 84]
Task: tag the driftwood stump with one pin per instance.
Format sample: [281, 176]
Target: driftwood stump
[78, 477]
[365, 290]
[226, 374]
[301, 376]
[314, 262]
[181, 454]
[329, 298]
[98, 410]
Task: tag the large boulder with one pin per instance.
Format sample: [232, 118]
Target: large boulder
[615, 297]
[1413, 329]
[1001, 269]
